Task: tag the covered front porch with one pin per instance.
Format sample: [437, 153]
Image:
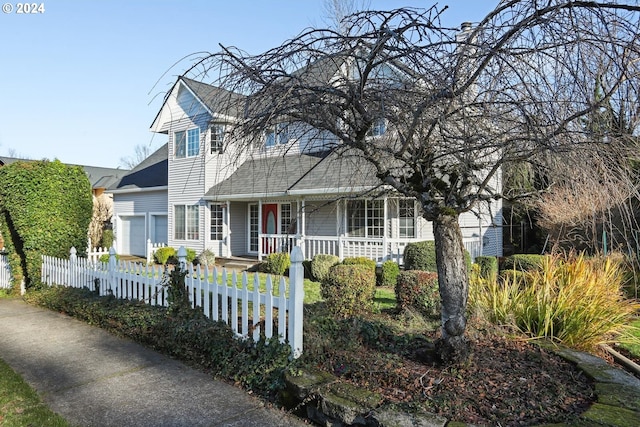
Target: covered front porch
[378, 229]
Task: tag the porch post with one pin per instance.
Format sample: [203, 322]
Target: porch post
[302, 225]
[227, 234]
[385, 218]
[340, 226]
[296, 302]
[259, 230]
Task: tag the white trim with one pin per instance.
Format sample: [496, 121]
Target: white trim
[138, 190]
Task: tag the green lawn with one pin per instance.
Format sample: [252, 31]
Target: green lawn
[634, 348]
[20, 405]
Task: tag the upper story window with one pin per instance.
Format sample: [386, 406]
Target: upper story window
[217, 138]
[186, 143]
[379, 127]
[279, 134]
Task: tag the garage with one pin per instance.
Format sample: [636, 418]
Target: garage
[159, 229]
[133, 235]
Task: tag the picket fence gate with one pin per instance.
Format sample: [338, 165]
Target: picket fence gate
[222, 296]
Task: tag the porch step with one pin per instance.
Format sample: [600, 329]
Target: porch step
[237, 264]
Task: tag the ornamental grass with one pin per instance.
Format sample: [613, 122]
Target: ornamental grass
[577, 301]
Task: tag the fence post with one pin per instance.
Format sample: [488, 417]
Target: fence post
[182, 258]
[71, 276]
[113, 264]
[149, 251]
[296, 301]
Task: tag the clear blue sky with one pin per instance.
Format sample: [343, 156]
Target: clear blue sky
[83, 81]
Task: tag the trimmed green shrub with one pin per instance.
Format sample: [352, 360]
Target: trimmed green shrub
[349, 290]
[523, 262]
[276, 263]
[105, 258]
[191, 255]
[360, 260]
[45, 209]
[107, 239]
[388, 275]
[418, 290]
[162, 255]
[420, 256]
[320, 265]
[207, 257]
[488, 266]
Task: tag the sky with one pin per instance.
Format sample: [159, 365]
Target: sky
[82, 81]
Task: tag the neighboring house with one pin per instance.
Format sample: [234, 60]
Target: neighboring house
[100, 179]
[288, 191]
[140, 205]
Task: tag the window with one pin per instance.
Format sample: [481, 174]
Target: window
[187, 144]
[180, 144]
[365, 218]
[217, 220]
[193, 142]
[287, 223]
[186, 222]
[407, 218]
[217, 138]
[379, 127]
[253, 228]
[277, 135]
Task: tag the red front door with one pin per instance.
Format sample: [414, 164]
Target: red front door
[269, 226]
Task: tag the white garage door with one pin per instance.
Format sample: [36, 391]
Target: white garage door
[133, 235]
[160, 233]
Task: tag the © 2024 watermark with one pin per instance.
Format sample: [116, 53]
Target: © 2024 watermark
[23, 8]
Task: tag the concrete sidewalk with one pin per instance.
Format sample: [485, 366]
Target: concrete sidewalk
[93, 378]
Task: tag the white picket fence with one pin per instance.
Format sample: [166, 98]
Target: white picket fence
[238, 301]
[5, 271]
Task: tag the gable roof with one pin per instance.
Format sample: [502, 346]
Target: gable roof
[296, 175]
[211, 98]
[99, 177]
[152, 172]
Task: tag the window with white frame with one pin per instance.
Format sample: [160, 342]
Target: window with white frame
[186, 143]
[379, 127]
[279, 134]
[217, 138]
[407, 218]
[186, 222]
[253, 228]
[217, 221]
[365, 218]
[287, 222]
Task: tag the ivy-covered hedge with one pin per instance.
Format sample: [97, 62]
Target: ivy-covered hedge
[45, 209]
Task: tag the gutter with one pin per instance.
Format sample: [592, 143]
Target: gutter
[137, 190]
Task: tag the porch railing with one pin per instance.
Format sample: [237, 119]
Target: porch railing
[379, 249]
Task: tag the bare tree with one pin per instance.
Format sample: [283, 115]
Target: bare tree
[457, 105]
[141, 153]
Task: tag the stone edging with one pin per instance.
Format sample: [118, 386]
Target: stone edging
[321, 397]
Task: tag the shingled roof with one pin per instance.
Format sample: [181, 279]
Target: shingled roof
[294, 175]
[151, 172]
[99, 177]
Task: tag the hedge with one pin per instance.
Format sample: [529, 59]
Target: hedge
[349, 290]
[45, 209]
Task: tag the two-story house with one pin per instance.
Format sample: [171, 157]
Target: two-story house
[287, 191]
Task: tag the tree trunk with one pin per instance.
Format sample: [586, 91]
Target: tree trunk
[453, 282]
